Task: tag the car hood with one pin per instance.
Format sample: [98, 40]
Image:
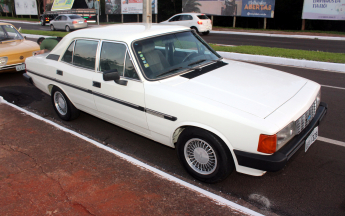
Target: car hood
[253, 89]
[17, 46]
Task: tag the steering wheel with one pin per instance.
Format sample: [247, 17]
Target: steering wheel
[188, 56]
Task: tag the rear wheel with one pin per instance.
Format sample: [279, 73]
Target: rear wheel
[67, 28]
[195, 28]
[206, 33]
[63, 106]
[52, 27]
[204, 155]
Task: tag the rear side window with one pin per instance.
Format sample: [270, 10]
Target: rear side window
[112, 57]
[75, 17]
[187, 17]
[85, 53]
[63, 18]
[67, 57]
[202, 16]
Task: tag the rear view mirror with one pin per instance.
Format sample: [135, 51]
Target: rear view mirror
[113, 75]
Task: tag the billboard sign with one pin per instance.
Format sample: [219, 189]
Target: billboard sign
[62, 5]
[248, 8]
[5, 8]
[25, 7]
[128, 6]
[324, 9]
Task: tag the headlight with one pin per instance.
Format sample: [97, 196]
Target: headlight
[318, 99]
[285, 135]
[3, 61]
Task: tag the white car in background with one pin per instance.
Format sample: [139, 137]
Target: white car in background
[68, 22]
[167, 84]
[197, 21]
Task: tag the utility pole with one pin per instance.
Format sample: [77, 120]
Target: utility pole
[147, 11]
[98, 6]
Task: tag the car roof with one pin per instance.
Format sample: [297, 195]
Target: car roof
[118, 32]
[191, 13]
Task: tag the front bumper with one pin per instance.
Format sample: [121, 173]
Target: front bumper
[28, 78]
[278, 160]
[9, 67]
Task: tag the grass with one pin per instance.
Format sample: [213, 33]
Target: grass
[18, 18]
[299, 31]
[46, 33]
[286, 53]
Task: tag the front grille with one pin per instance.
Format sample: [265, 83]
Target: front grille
[306, 118]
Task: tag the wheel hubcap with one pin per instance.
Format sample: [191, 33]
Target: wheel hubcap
[60, 103]
[200, 156]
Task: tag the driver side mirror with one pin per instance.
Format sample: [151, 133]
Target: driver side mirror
[113, 75]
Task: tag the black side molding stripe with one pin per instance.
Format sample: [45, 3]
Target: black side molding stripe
[140, 108]
[204, 70]
[53, 57]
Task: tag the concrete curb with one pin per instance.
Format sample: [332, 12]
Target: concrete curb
[280, 35]
[35, 36]
[16, 21]
[337, 67]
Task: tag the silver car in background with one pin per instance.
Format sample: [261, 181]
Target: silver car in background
[68, 22]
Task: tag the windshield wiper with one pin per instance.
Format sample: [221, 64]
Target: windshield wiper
[199, 61]
[169, 71]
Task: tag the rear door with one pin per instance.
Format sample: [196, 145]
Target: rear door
[75, 72]
[63, 22]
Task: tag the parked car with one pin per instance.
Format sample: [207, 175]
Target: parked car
[167, 84]
[68, 22]
[14, 49]
[197, 21]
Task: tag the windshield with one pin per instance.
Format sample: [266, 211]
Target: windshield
[8, 32]
[170, 54]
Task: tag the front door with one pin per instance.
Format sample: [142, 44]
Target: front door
[123, 104]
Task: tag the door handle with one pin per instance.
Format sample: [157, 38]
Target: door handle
[59, 72]
[96, 84]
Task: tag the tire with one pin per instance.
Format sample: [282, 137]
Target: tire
[195, 28]
[67, 29]
[206, 33]
[191, 152]
[52, 27]
[63, 106]
[42, 22]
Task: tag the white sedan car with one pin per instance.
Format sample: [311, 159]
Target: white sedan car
[197, 21]
[167, 84]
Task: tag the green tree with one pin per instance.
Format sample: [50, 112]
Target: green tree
[191, 6]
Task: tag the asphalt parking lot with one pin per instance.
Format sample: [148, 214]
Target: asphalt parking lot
[311, 184]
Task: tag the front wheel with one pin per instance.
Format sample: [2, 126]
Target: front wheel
[204, 155]
[195, 29]
[63, 106]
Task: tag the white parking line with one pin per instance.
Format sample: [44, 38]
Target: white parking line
[333, 87]
[218, 199]
[335, 142]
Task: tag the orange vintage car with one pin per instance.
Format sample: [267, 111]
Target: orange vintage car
[14, 49]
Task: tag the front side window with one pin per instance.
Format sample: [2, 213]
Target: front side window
[112, 57]
[85, 53]
[58, 18]
[67, 57]
[8, 32]
[173, 53]
[129, 69]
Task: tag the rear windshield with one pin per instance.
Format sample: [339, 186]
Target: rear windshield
[202, 17]
[75, 17]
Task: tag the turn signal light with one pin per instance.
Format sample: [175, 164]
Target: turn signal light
[199, 22]
[75, 22]
[267, 143]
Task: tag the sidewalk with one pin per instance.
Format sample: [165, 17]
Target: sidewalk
[45, 170]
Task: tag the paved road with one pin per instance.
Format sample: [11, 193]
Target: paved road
[313, 183]
[289, 43]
